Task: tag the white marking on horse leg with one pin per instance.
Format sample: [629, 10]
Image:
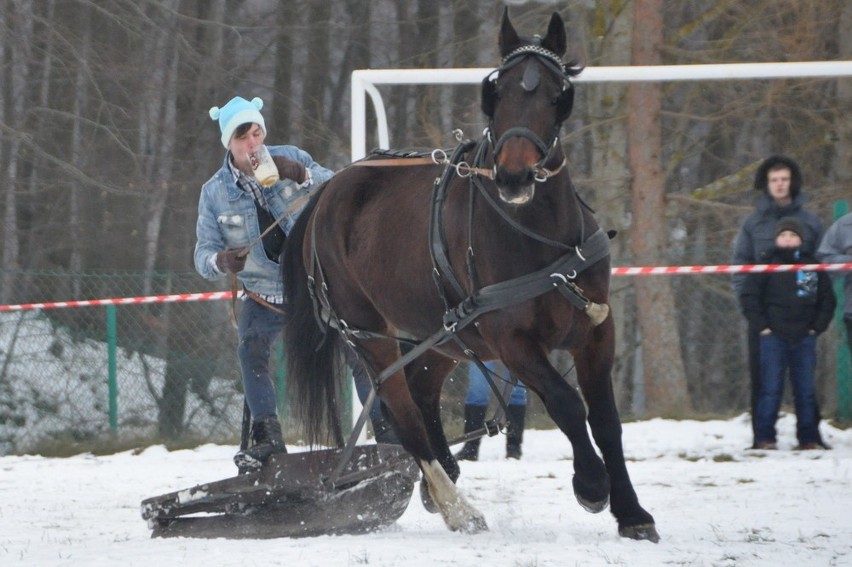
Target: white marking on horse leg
[458, 513]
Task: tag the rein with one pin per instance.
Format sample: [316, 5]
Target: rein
[244, 251]
[559, 276]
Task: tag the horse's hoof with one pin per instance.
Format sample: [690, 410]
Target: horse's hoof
[475, 525]
[640, 532]
[593, 497]
[593, 507]
[426, 498]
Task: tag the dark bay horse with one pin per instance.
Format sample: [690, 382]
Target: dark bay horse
[491, 255]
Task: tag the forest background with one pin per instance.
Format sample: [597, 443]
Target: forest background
[105, 142]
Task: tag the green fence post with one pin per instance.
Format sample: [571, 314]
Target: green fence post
[844, 370]
[112, 367]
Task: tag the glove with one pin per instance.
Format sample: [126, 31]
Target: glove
[230, 261]
[289, 169]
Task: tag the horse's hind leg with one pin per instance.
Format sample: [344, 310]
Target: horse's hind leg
[426, 377]
[407, 413]
[594, 365]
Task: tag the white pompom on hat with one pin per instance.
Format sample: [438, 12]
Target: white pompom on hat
[237, 112]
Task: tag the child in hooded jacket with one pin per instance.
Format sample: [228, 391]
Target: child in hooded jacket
[791, 308]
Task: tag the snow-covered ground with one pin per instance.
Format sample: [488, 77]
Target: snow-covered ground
[715, 503]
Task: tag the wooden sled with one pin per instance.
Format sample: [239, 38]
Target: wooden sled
[293, 495]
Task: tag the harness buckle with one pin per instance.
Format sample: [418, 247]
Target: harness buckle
[451, 321]
[439, 156]
[346, 332]
[492, 427]
[463, 169]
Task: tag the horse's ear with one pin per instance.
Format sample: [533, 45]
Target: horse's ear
[509, 39]
[555, 40]
[489, 96]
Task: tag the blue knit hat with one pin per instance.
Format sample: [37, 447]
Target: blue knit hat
[237, 112]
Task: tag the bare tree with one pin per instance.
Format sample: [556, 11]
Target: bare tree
[18, 38]
[316, 78]
[663, 372]
[607, 185]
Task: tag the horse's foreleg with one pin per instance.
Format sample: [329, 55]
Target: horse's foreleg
[566, 408]
[594, 365]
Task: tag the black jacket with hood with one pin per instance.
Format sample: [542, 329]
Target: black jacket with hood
[782, 302]
[756, 238]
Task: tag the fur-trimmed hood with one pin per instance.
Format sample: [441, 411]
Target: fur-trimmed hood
[760, 177]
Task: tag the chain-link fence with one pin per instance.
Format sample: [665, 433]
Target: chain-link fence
[176, 376]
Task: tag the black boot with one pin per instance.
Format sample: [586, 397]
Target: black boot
[266, 441]
[474, 418]
[515, 430]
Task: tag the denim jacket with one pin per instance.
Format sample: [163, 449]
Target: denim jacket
[227, 218]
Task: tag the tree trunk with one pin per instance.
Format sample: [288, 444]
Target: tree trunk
[664, 378]
[356, 56]
[78, 152]
[466, 25]
[314, 137]
[19, 46]
[611, 25]
[158, 125]
[30, 248]
[287, 18]
[843, 146]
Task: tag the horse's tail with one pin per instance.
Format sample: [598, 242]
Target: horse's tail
[314, 370]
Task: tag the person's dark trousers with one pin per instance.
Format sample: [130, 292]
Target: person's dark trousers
[755, 378]
[258, 327]
[515, 432]
[474, 418]
[776, 356]
[382, 429]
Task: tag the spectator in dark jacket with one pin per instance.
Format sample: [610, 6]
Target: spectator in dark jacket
[779, 181]
[790, 309]
[836, 248]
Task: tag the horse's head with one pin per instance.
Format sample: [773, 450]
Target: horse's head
[526, 104]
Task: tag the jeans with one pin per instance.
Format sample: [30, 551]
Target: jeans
[478, 389]
[257, 329]
[776, 357]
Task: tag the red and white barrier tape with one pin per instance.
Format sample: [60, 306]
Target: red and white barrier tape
[178, 297]
[728, 269]
[618, 271]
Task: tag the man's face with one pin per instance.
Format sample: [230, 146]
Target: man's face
[778, 184]
[243, 144]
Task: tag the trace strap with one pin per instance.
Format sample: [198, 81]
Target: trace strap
[496, 296]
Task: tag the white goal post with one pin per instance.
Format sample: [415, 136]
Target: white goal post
[364, 83]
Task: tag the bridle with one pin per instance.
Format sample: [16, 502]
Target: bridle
[531, 79]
